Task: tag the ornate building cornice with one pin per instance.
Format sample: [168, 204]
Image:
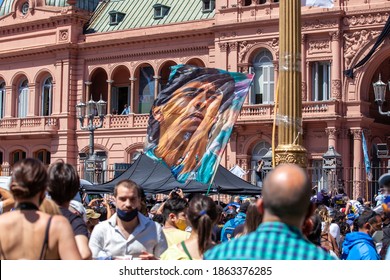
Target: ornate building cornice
[194, 51]
[319, 24]
[376, 16]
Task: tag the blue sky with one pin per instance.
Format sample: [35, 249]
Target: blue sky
[1, 1]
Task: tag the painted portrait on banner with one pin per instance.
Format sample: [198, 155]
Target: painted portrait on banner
[191, 120]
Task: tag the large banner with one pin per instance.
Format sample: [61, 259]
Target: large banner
[192, 119]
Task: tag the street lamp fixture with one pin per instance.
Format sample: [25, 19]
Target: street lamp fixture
[88, 111]
[380, 92]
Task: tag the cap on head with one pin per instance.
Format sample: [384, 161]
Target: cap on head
[384, 180]
[91, 214]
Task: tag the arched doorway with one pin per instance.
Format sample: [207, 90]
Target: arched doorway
[99, 87]
[257, 154]
[120, 91]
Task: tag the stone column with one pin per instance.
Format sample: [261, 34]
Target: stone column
[358, 163]
[332, 133]
[87, 91]
[233, 57]
[276, 72]
[290, 149]
[9, 105]
[109, 96]
[156, 85]
[336, 65]
[223, 58]
[304, 68]
[31, 100]
[132, 95]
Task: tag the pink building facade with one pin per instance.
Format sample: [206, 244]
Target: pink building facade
[54, 54]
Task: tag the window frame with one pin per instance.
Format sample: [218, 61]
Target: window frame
[319, 94]
[46, 85]
[208, 6]
[263, 61]
[2, 99]
[23, 92]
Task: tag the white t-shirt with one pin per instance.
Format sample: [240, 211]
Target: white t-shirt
[334, 230]
[356, 207]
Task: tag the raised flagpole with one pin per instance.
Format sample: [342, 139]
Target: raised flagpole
[289, 115]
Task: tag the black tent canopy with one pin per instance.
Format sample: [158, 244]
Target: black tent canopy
[155, 177]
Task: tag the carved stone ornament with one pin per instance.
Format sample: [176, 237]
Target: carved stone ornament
[357, 134]
[223, 47]
[244, 47]
[355, 42]
[365, 19]
[332, 132]
[291, 157]
[336, 35]
[233, 46]
[64, 35]
[336, 89]
[317, 24]
[319, 46]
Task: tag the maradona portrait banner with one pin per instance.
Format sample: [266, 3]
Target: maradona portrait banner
[192, 119]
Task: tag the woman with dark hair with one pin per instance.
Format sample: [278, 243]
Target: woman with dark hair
[27, 232]
[64, 183]
[202, 215]
[252, 220]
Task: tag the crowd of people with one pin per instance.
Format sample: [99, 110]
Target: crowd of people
[288, 221]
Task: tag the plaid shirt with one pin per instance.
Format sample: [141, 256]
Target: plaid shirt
[271, 241]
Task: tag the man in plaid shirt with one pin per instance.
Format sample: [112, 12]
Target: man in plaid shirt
[285, 206]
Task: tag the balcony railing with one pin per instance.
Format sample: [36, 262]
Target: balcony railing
[29, 125]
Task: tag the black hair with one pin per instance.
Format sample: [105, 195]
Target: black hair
[64, 182]
[368, 216]
[175, 206]
[179, 78]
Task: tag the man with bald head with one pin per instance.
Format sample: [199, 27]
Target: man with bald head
[285, 205]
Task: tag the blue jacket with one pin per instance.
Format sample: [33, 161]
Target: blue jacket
[228, 228]
[359, 246]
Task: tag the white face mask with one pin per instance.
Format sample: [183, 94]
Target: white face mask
[378, 236]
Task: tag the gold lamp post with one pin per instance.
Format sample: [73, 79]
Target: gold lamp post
[289, 117]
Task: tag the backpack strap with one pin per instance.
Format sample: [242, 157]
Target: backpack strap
[186, 250]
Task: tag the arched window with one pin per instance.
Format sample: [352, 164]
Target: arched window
[23, 99]
[43, 155]
[146, 89]
[46, 97]
[17, 155]
[262, 91]
[2, 99]
[258, 152]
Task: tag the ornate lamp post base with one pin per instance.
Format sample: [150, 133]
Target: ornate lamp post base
[291, 154]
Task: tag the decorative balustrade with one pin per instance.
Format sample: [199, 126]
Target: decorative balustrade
[30, 124]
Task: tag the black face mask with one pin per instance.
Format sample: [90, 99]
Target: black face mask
[125, 215]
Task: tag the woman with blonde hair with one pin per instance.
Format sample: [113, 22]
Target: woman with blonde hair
[50, 207]
[27, 232]
[201, 215]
